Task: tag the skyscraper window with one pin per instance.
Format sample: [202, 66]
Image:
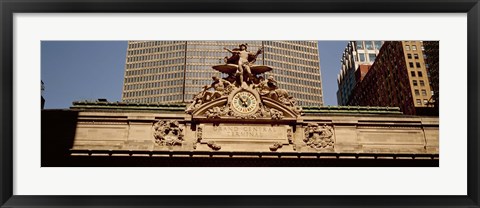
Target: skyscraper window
[424, 92]
[378, 45]
[369, 45]
[178, 66]
[359, 44]
[362, 57]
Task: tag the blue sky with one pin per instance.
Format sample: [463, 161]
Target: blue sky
[87, 70]
[330, 54]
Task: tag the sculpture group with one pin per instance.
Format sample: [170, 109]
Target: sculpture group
[242, 73]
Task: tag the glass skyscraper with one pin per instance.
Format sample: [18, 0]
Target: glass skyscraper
[174, 71]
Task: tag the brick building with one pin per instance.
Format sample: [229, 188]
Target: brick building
[398, 78]
[356, 54]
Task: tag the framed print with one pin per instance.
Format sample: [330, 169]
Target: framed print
[225, 103]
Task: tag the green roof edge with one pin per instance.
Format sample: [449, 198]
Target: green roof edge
[182, 106]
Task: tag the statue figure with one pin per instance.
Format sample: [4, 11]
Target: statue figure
[270, 89]
[272, 83]
[197, 101]
[243, 59]
[262, 86]
[220, 87]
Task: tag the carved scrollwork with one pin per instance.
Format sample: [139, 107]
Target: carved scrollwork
[245, 116]
[266, 112]
[276, 114]
[214, 146]
[319, 137]
[210, 144]
[263, 112]
[275, 146]
[168, 133]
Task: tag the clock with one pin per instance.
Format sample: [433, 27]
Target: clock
[244, 102]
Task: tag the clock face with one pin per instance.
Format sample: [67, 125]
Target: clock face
[244, 102]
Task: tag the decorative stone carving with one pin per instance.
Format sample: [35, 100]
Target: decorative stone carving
[199, 134]
[210, 144]
[217, 112]
[275, 147]
[278, 145]
[263, 112]
[240, 116]
[270, 112]
[199, 137]
[197, 101]
[276, 114]
[290, 136]
[319, 137]
[168, 133]
[214, 146]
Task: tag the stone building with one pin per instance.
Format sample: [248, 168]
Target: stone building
[124, 134]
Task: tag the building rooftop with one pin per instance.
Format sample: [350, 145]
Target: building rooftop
[351, 110]
[180, 107]
[100, 105]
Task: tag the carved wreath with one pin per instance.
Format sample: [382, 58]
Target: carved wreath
[318, 137]
[168, 133]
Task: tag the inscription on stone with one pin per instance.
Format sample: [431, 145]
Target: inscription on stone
[232, 132]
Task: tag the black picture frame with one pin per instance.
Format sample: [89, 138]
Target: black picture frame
[10, 7]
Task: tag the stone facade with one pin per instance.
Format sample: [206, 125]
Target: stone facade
[100, 131]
